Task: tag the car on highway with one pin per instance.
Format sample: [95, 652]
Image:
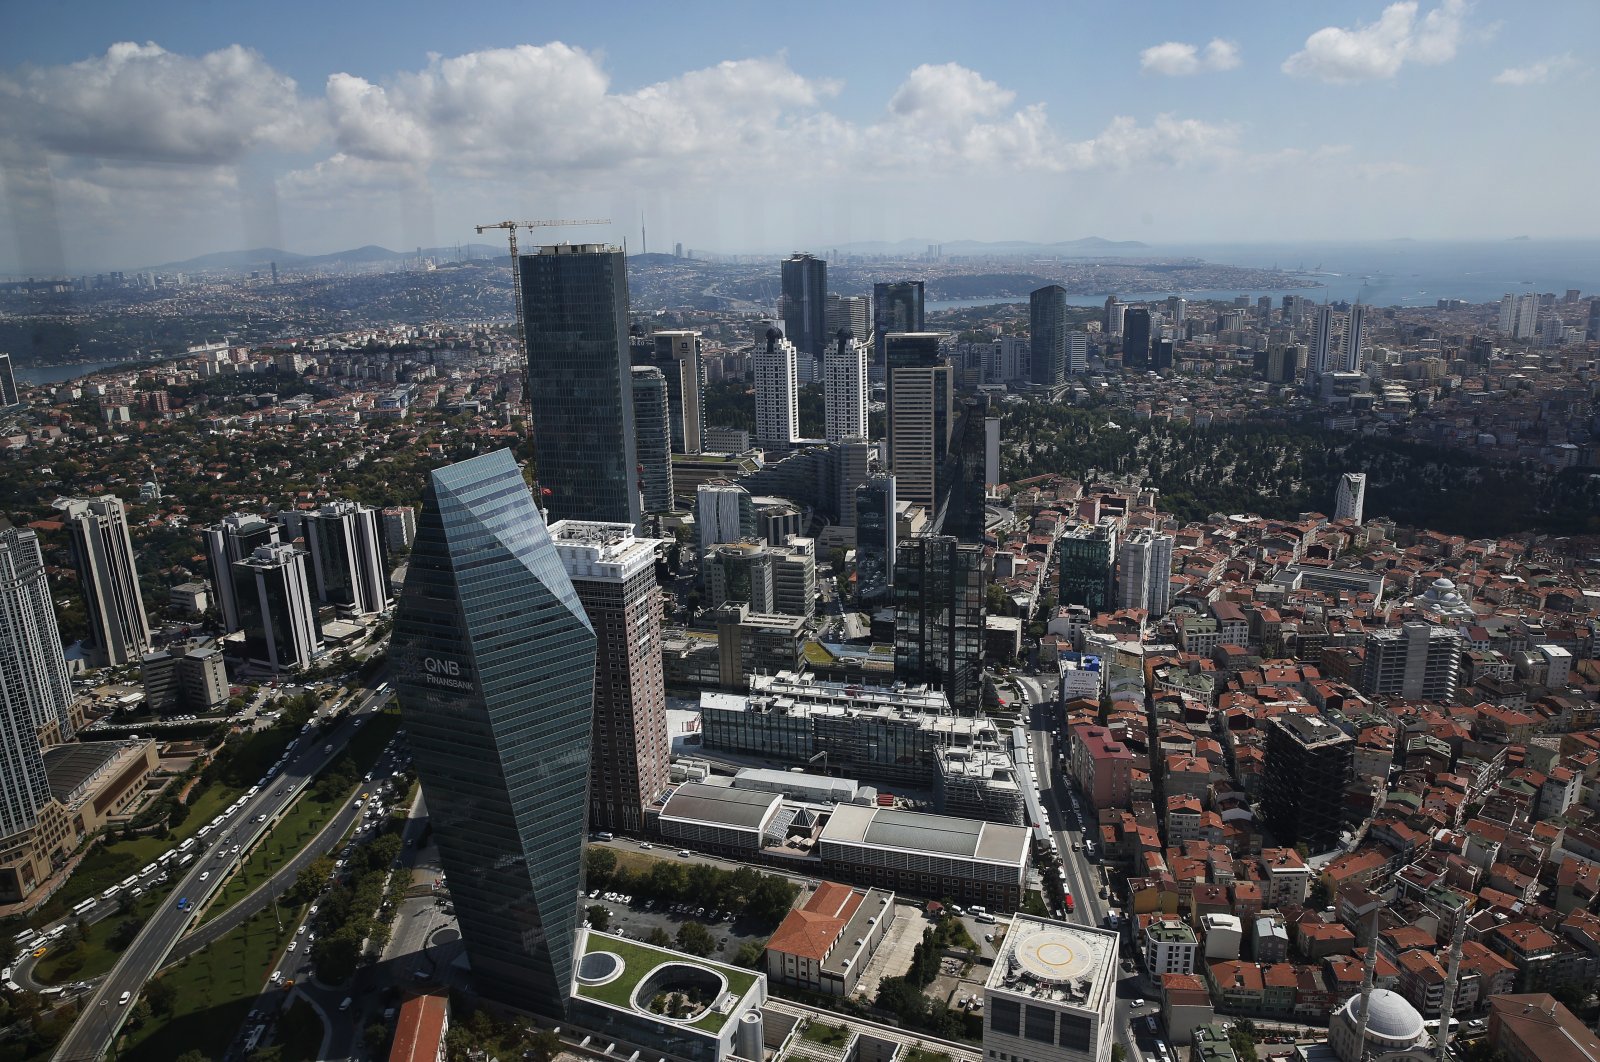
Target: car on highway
[38, 953]
[183, 904]
[205, 875]
[123, 1001]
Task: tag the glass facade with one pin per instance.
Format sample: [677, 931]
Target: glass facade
[805, 306]
[1047, 327]
[494, 659]
[652, 438]
[938, 617]
[1086, 568]
[875, 535]
[896, 307]
[580, 395]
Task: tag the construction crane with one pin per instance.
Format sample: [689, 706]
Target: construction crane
[511, 228]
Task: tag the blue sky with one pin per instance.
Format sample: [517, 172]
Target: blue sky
[136, 134]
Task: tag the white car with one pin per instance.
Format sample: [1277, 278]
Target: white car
[123, 1002]
[204, 874]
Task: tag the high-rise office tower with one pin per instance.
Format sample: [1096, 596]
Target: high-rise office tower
[777, 392]
[102, 552]
[1136, 338]
[35, 693]
[1047, 335]
[875, 540]
[896, 307]
[742, 573]
[274, 607]
[614, 575]
[1264, 310]
[921, 415]
[228, 543]
[1353, 347]
[851, 460]
[1077, 353]
[494, 662]
[652, 433]
[347, 557]
[848, 313]
[1144, 575]
[1087, 570]
[938, 617]
[1519, 316]
[960, 511]
[8, 382]
[1350, 496]
[575, 303]
[1324, 344]
[1591, 333]
[723, 512]
[1112, 321]
[1417, 661]
[844, 388]
[398, 527]
[1177, 308]
[1308, 765]
[991, 453]
[677, 355]
[805, 303]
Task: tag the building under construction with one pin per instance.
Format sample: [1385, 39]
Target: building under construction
[884, 736]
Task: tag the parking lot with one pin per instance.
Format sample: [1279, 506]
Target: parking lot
[636, 920]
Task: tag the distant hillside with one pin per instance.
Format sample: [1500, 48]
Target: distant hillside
[263, 257]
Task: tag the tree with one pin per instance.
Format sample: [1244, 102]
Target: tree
[194, 1054]
[696, 939]
[375, 1037]
[124, 933]
[1118, 1053]
[598, 866]
[161, 996]
[600, 916]
[659, 938]
[1242, 1040]
[750, 954]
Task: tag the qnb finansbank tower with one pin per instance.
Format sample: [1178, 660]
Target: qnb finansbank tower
[494, 666]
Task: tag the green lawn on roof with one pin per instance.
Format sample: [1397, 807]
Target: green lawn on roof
[639, 960]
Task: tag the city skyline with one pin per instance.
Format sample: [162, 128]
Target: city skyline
[166, 135]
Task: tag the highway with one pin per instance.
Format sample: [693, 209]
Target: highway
[103, 1011]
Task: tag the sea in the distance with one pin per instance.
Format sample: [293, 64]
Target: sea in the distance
[38, 375]
[1395, 273]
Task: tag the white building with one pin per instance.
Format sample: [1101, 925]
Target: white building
[1144, 578]
[1051, 995]
[1350, 496]
[1077, 353]
[723, 512]
[844, 389]
[777, 396]
[102, 552]
[1354, 346]
[1170, 946]
[1224, 933]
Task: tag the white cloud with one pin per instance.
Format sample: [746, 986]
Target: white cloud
[1536, 73]
[1378, 50]
[142, 103]
[1178, 59]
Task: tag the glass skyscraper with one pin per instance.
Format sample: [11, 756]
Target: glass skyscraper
[494, 660]
[938, 617]
[896, 307]
[805, 305]
[580, 391]
[1047, 325]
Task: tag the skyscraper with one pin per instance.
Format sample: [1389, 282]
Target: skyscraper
[1591, 332]
[35, 693]
[575, 302]
[723, 512]
[1324, 340]
[1136, 338]
[494, 660]
[614, 575]
[777, 392]
[805, 303]
[897, 306]
[938, 617]
[1350, 496]
[844, 388]
[875, 539]
[1353, 348]
[398, 527]
[677, 355]
[274, 607]
[228, 543]
[1177, 309]
[102, 552]
[347, 557]
[850, 313]
[1519, 316]
[921, 415]
[1047, 330]
[1112, 322]
[1077, 353]
[652, 432]
[1144, 576]
[8, 382]
[1308, 765]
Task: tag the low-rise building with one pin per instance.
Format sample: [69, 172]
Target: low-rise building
[824, 945]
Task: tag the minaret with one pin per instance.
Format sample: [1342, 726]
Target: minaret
[1448, 1004]
[1369, 973]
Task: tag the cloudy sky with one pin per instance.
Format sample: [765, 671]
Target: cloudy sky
[134, 134]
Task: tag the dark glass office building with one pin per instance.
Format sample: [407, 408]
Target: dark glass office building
[896, 307]
[1047, 329]
[1088, 564]
[652, 434]
[875, 540]
[580, 392]
[805, 303]
[1136, 338]
[494, 661]
[938, 617]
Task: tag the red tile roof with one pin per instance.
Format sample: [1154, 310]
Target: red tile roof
[810, 931]
[419, 1028]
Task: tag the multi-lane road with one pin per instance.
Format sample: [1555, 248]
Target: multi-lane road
[105, 1010]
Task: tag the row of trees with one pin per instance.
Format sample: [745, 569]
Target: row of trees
[349, 914]
[763, 897]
